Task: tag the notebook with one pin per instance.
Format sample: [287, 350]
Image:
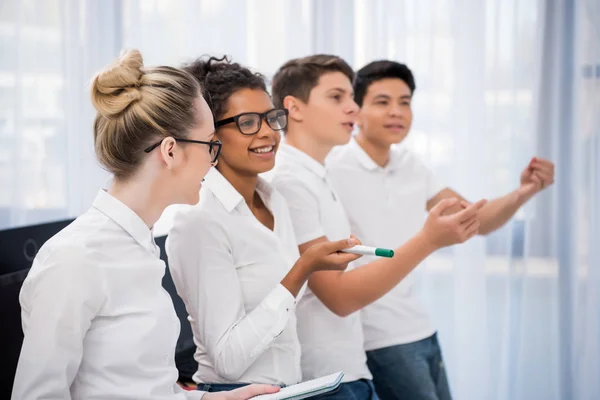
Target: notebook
[306, 389]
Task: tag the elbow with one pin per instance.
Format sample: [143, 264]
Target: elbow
[231, 373]
[231, 365]
[342, 309]
[345, 312]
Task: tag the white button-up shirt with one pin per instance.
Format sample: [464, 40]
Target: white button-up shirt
[97, 322]
[386, 207]
[329, 343]
[227, 267]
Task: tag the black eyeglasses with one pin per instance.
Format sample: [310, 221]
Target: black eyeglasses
[251, 122]
[214, 147]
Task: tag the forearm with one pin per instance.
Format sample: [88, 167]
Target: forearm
[499, 211]
[355, 289]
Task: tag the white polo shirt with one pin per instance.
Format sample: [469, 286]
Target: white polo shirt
[329, 343]
[227, 267]
[386, 207]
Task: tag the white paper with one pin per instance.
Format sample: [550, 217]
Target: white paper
[306, 389]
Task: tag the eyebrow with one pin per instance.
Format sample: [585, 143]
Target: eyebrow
[387, 97]
[338, 89]
[382, 97]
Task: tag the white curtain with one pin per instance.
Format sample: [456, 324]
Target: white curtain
[498, 81]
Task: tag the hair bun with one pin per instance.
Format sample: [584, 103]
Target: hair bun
[118, 86]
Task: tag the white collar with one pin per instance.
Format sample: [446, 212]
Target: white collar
[228, 195]
[126, 218]
[303, 159]
[367, 162]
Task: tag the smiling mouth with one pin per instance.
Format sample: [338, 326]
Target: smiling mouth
[263, 149]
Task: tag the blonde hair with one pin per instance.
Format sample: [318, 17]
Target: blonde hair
[136, 106]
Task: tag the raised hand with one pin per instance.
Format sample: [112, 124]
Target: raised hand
[538, 175]
[445, 230]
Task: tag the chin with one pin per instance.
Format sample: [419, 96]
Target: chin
[396, 139]
[342, 138]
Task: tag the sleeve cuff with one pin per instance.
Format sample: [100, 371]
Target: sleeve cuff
[279, 303]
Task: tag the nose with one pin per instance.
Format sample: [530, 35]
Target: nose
[352, 107]
[395, 110]
[265, 130]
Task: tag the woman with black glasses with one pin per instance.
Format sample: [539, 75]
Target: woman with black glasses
[234, 257]
[97, 322]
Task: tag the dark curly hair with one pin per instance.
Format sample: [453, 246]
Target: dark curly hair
[220, 78]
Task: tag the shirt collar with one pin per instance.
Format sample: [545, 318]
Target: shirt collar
[367, 162]
[228, 195]
[300, 157]
[126, 218]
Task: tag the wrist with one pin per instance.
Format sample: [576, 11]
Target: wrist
[425, 241]
[522, 196]
[304, 267]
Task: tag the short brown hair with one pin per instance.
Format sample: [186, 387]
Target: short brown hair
[299, 76]
[136, 106]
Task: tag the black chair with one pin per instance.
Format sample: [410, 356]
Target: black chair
[18, 248]
[184, 351]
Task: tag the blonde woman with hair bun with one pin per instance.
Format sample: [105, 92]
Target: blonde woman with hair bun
[96, 320]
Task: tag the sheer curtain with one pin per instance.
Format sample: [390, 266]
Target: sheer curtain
[498, 81]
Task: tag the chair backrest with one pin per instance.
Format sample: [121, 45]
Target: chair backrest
[18, 248]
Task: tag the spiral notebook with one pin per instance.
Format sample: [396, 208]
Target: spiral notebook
[306, 389]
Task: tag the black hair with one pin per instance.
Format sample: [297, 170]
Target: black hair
[220, 78]
[378, 70]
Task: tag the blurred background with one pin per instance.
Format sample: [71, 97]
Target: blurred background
[498, 81]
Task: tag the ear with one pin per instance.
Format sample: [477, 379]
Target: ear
[170, 152]
[295, 107]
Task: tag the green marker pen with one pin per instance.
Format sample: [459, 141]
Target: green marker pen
[370, 251]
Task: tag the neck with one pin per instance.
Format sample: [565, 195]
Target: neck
[305, 142]
[244, 184]
[378, 153]
[142, 196]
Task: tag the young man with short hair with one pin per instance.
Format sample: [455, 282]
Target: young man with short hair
[317, 91]
[402, 348]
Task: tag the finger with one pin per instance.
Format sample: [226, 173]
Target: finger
[542, 161]
[469, 211]
[547, 179]
[472, 229]
[338, 245]
[548, 169]
[536, 179]
[468, 221]
[443, 205]
[247, 392]
[357, 239]
[342, 259]
[465, 204]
